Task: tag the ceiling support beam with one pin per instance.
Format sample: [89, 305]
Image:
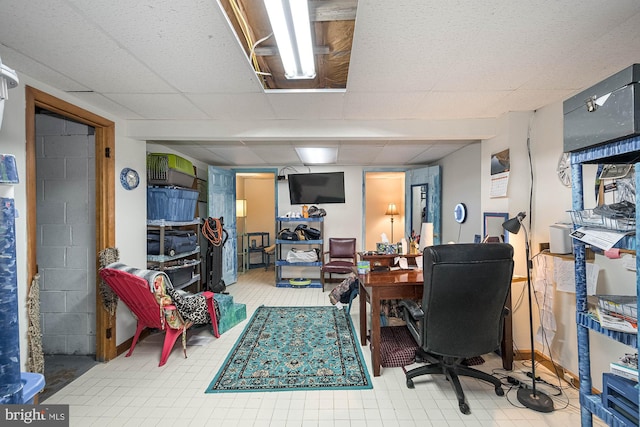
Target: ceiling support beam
[273, 50]
[332, 10]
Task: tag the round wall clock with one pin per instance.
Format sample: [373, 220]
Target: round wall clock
[564, 169]
[460, 213]
[129, 179]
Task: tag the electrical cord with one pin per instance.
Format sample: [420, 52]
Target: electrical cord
[212, 231]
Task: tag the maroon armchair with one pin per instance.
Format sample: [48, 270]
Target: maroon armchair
[341, 258]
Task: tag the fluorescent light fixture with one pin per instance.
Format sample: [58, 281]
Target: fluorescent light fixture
[292, 29]
[317, 155]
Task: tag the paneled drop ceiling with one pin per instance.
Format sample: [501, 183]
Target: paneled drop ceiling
[425, 77]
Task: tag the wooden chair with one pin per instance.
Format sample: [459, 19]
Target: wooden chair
[342, 258]
[153, 308]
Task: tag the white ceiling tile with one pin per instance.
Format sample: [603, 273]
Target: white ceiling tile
[434, 152]
[243, 106]
[457, 105]
[158, 106]
[376, 105]
[194, 49]
[351, 154]
[75, 47]
[107, 104]
[237, 155]
[394, 154]
[306, 105]
[276, 154]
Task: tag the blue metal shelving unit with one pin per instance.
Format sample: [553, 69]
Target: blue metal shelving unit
[625, 151]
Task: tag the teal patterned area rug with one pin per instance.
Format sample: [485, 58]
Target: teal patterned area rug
[294, 348]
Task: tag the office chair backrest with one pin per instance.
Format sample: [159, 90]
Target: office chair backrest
[465, 289]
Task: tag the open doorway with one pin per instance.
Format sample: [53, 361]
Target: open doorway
[100, 322]
[383, 188]
[256, 209]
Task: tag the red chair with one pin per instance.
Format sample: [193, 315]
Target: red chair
[342, 258]
[153, 309]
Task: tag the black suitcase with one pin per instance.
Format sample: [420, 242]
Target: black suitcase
[175, 242]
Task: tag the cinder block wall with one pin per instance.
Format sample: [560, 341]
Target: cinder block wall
[66, 234]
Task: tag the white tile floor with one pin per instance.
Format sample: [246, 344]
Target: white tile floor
[134, 391]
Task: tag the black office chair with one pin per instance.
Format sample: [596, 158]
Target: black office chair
[463, 307]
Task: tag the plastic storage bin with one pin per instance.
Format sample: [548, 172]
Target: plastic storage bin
[171, 204]
[32, 384]
[179, 275]
[169, 169]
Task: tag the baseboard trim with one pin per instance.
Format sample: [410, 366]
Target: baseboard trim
[126, 345]
[545, 361]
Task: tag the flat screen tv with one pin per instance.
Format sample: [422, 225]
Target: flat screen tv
[316, 188]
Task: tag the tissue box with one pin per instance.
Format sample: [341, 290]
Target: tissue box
[385, 248]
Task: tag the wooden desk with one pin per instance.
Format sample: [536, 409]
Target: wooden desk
[408, 284]
[378, 286]
[386, 260]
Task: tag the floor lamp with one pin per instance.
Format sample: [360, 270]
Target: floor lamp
[530, 398]
[391, 210]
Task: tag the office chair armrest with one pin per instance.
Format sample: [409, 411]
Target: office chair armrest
[412, 308]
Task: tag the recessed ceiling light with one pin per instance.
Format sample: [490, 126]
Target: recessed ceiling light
[317, 155]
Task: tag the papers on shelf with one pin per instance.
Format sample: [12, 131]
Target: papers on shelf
[601, 238]
[401, 263]
[615, 323]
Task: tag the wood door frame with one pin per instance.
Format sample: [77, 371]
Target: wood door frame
[105, 198]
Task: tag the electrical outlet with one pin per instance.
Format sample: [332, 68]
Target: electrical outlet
[569, 378]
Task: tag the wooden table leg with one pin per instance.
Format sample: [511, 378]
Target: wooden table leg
[506, 346]
[375, 334]
[363, 314]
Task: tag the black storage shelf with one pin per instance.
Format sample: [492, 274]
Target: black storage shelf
[263, 239]
[172, 263]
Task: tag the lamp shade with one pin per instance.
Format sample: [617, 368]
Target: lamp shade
[241, 208]
[426, 236]
[513, 225]
[392, 210]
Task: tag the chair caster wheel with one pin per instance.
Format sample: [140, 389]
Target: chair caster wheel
[499, 391]
[464, 408]
[410, 384]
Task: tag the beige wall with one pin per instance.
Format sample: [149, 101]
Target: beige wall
[260, 196]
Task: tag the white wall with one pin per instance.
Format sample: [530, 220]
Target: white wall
[550, 201]
[461, 184]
